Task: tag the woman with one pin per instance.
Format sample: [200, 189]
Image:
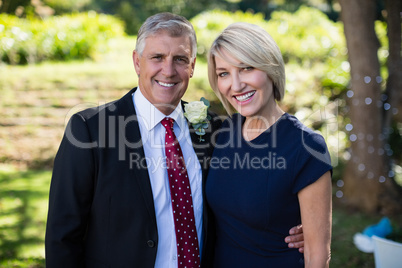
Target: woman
[268, 172]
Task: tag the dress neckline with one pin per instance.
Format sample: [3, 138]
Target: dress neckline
[262, 134]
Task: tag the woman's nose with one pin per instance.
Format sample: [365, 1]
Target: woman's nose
[237, 83]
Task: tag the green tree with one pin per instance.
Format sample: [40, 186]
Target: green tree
[268, 6]
[134, 13]
[62, 6]
[9, 6]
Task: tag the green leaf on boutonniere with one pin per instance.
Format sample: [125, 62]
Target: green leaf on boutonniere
[197, 126]
[205, 101]
[200, 131]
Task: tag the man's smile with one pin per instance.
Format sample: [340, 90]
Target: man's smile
[165, 84]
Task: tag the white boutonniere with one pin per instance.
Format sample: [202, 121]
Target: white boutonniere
[196, 114]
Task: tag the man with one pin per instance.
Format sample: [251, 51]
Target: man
[111, 201]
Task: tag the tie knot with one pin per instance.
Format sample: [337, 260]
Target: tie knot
[167, 122]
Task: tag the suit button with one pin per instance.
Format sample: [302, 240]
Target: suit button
[150, 243]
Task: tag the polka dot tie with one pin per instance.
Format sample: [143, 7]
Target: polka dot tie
[188, 254]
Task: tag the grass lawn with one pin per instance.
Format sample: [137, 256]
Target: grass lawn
[23, 211]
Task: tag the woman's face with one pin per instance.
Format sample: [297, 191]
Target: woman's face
[249, 90]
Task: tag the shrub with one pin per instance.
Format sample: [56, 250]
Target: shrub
[209, 24]
[305, 35]
[67, 37]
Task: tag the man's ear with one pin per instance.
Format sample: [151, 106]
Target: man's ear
[136, 61]
[192, 67]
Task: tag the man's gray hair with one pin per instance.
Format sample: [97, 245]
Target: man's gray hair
[172, 24]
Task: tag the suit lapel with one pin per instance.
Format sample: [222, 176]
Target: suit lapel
[133, 147]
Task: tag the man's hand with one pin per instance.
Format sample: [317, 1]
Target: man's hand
[296, 238]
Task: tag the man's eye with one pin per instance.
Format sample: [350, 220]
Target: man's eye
[182, 60]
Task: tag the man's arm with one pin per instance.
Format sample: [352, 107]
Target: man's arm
[70, 198]
[296, 238]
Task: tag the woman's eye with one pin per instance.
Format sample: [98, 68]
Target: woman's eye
[222, 74]
[248, 68]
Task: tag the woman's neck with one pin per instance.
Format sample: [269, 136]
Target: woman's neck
[255, 125]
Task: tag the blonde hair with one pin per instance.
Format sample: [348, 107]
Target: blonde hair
[251, 45]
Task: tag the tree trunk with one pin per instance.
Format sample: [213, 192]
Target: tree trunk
[394, 83]
[366, 182]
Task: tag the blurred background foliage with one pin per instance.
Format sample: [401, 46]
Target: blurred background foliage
[67, 37]
[42, 84]
[133, 13]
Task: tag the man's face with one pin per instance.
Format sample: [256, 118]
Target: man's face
[164, 69]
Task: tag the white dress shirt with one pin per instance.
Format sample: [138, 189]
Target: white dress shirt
[153, 138]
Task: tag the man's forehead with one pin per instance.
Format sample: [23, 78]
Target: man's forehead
[164, 33]
[158, 44]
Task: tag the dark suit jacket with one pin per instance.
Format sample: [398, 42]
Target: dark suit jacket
[101, 209]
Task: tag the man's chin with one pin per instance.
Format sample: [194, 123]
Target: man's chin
[166, 106]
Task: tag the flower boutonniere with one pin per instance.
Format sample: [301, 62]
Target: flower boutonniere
[196, 114]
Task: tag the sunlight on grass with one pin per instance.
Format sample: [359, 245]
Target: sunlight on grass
[23, 203]
[29, 263]
[28, 251]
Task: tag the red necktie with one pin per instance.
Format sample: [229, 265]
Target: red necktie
[188, 253]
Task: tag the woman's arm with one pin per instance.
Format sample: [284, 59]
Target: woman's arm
[316, 215]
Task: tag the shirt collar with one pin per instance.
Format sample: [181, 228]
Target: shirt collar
[151, 116]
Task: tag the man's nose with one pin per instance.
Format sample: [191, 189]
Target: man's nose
[168, 68]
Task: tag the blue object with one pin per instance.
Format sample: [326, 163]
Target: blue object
[381, 229]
